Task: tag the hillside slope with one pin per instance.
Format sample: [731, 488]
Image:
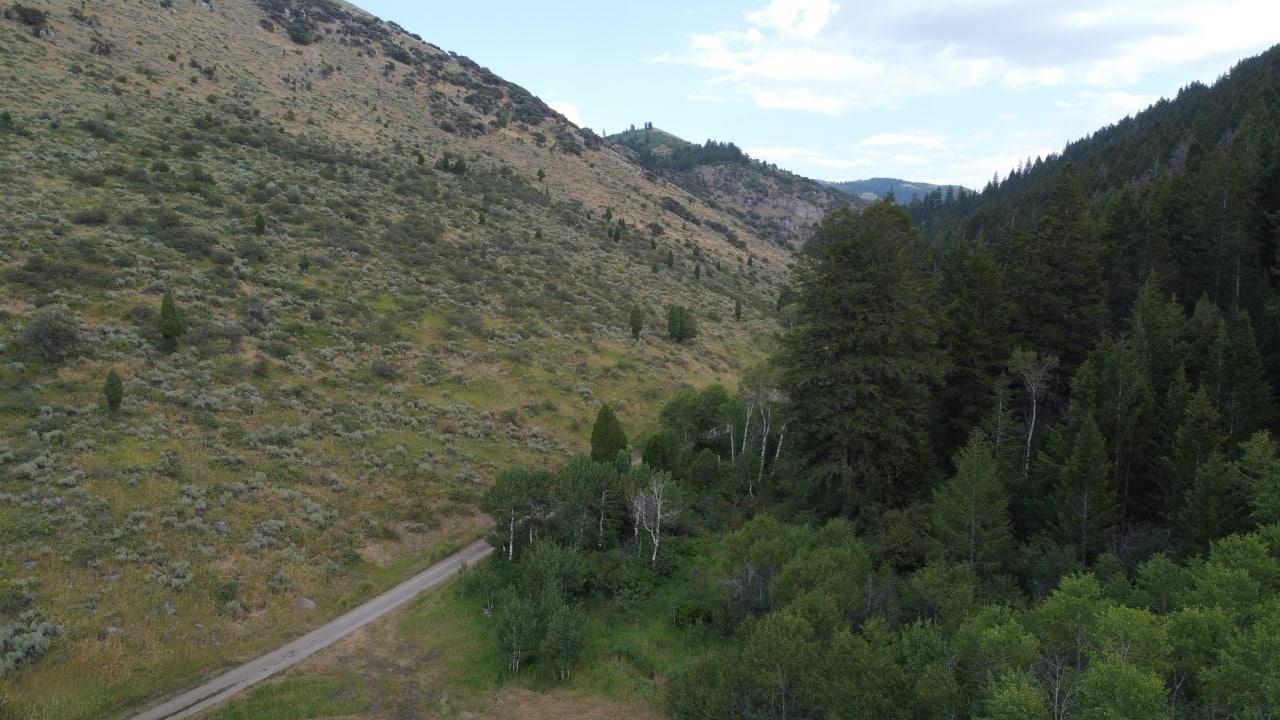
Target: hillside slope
[396, 273]
[778, 205]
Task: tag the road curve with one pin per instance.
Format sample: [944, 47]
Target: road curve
[222, 687]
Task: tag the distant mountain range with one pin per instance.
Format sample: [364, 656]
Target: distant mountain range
[904, 191]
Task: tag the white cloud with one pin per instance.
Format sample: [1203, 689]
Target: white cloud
[569, 110]
[807, 55]
[797, 18]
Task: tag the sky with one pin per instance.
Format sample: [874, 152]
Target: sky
[945, 91]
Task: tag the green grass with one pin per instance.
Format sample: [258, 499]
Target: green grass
[300, 698]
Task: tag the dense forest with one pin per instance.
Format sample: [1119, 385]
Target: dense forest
[1014, 457]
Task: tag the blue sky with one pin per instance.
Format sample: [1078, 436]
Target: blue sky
[945, 91]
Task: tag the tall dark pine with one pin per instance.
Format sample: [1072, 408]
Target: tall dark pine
[1060, 278]
[862, 362]
[975, 335]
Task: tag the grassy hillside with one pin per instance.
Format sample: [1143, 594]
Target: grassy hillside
[439, 286]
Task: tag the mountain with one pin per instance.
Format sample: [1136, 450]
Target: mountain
[778, 205]
[391, 274]
[904, 191]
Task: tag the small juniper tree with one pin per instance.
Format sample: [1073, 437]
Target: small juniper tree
[737, 309]
[260, 223]
[637, 321]
[607, 436]
[113, 391]
[671, 259]
[171, 327]
[304, 263]
[680, 324]
[697, 272]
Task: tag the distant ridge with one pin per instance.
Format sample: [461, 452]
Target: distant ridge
[904, 191]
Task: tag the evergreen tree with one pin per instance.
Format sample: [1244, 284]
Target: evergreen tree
[970, 512]
[671, 259]
[1112, 386]
[697, 271]
[260, 223]
[1084, 501]
[706, 469]
[975, 335]
[171, 325]
[113, 391]
[1059, 276]
[1246, 405]
[661, 450]
[680, 324]
[1212, 505]
[637, 321]
[862, 362]
[737, 309]
[1198, 437]
[607, 436]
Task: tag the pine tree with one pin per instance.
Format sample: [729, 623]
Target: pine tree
[671, 259]
[260, 223]
[1113, 386]
[975, 335]
[171, 326]
[113, 391]
[737, 309]
[697, 272]
[970, 512]
[706, 469]
[861, 364]
[1059, 277]
[680, 324]
[1213, 504]
[1198, 437]
[1086, 506]
[637, 321]
[607, 436]
[1246, 405]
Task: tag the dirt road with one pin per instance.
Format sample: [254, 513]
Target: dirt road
[222, 687]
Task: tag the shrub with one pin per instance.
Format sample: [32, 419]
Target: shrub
[54, 332]
[23, 642]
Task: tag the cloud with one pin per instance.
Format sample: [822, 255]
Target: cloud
[795, 18]
[569, 110]
[813, 56]
[915, 155]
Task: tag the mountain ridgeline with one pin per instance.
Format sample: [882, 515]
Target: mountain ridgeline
[902, 191]
[777, 204]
